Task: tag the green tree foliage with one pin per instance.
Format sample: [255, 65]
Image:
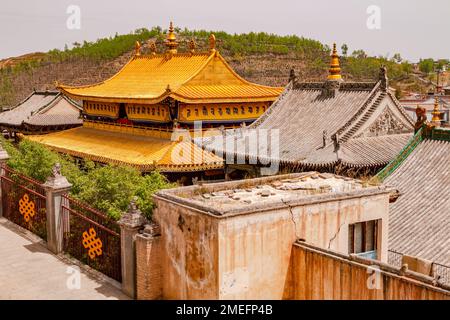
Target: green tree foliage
[344, 49]
[106, 188]
[426, 65]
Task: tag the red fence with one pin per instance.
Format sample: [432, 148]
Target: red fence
[91, 237]
[24, 202]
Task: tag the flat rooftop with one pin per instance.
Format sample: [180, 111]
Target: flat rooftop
[266, 193]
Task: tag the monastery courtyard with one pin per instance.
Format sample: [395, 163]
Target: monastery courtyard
[28, 270]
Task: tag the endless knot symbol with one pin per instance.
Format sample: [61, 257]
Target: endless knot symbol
[26, 207]
[94, 244]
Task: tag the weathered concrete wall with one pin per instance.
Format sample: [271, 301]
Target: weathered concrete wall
[315, 273]
[247, 256]
[189, 260]
[255, 249]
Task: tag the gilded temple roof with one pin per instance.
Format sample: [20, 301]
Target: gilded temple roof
[187, 77]
[142, 149]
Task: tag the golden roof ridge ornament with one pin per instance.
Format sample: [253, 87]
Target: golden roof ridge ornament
[212, 43]
[335, 69]
[171, 40]
[152, 47]
[137, 48]
[192, 45]
[436, 120]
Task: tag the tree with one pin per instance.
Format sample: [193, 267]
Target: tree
[426, 65]
[360, 54]
[106, 188]
[344, 49]
[397, 58]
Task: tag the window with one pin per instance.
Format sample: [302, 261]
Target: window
[257, 109]
[242, 110]
[153, 111]
[250, 110]
[204, 111]
[188, 112]
[220, 111]
[228, 110]
[363, 237]
[212, 111]
[235, 110]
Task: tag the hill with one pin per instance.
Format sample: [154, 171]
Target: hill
[259, 57]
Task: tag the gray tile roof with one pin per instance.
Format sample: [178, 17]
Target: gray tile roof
[420, 218]
[36, 110]
[305, 110]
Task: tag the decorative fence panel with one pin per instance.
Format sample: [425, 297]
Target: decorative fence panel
[91, 237]
[24, 201]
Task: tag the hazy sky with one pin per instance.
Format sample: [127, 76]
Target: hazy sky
[414, 28]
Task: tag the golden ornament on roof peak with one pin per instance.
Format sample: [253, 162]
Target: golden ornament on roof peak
[335, 69]
[137, 48]
[212, 42]
[171, 40]
[436, 120]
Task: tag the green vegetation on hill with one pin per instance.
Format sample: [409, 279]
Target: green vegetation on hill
[106, 188]
[252, 48]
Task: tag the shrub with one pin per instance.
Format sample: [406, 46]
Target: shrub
[105, 188]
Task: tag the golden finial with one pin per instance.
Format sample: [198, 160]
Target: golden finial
[436, 120]
[212, 43]
[335, 69]
[171, 40]
[137, 48]
[192, 45]
[152, 47]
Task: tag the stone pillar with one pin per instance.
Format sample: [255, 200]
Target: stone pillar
[131, 222]
[55, 186]
[4, 156]
[148, 259]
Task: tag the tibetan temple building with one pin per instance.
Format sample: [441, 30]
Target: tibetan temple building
[136, 116]
[41, 112]
[352, 128]
[419, 222]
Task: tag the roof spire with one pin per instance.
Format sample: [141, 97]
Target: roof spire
[212, 43]
[137, 48]
[171, 40]
[335, 69]
[436, 120]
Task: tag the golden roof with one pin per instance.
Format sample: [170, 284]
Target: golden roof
[186, 77]
[143, 151]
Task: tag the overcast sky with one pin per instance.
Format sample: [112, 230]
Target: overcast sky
[414, 28]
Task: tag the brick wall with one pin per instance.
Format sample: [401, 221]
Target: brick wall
[148, 267]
